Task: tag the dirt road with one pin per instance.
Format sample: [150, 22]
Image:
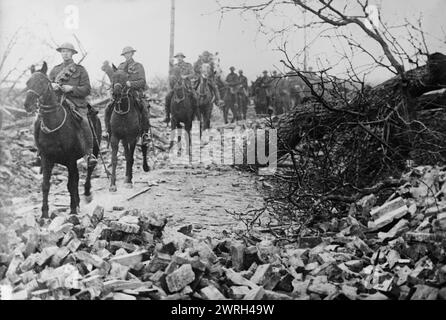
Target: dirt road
[198, 195]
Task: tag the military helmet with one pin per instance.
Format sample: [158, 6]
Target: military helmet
[127, 50]
[179, 54]
[265, 72]
[68, 46]
[232, 68]
[206, 53]
[240, 71]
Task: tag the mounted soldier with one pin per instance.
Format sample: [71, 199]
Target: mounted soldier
[136, 85]
[180, 71]
[72, 85]
[206, 57]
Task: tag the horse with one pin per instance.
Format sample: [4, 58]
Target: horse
[206, 97]
[56, 134]
[260, 100]
[125, 127]
[231, 102]
[182, 109]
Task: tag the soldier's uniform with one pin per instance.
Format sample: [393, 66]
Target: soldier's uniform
[75, 75]
[177, 71]
[232, 80]
[138, 84]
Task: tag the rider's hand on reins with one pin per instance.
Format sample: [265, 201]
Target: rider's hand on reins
[128, 84]
[66, 88]
[56, 86]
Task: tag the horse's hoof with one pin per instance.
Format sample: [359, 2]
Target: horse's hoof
[113, 189]
[146, 168]
[128, 185]
[89, 198]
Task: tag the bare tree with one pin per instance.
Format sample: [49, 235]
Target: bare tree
[350, 138]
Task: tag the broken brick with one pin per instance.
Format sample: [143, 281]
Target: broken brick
[262, 273]
[180, 278]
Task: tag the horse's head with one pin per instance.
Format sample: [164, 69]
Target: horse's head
[38, 87]
[119, 79]
[179, 87]
[206, 70]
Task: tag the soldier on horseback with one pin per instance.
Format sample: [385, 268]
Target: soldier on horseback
[206, 57]
[181, 70]
[136, 84]
[72, 85]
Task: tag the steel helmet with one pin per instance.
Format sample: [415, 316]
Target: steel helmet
[179, 54]
[68, 46]
[127, 50]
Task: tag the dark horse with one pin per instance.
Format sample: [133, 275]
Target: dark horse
[57, 137]
[205, 97]
[231, 102]
[181, 108]
[125, 126]
[260, 99]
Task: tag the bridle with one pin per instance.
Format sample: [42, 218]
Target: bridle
[180, 83]
[117, 106]
[39, 101]
[41, 108]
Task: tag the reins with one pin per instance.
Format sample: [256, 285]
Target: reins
[117, 106]
[47, 109]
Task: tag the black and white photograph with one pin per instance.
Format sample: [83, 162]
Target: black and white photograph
[246, 152]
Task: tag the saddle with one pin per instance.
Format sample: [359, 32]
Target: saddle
[77, 116]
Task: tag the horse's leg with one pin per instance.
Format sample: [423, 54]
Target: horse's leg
[145, 166]
[114, 141]
[225, 111]
[127, 160]
[73, 186]
[207, 116]
[96, 149]
[233, 109]
[129, 148]
[173, 126]
[188, 128]
[47, 168]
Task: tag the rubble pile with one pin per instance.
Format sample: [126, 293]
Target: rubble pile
[18, 172]
[127, 254]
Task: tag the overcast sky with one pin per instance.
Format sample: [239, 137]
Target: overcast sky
[106, 26]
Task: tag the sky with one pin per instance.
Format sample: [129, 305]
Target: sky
[106, 26]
